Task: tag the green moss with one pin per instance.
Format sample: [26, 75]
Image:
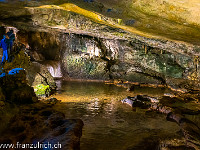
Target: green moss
[160, 63]
[118, 34]
[79, 64]
[119, 21]
[84, 67]
[42, 89]
[84, 49]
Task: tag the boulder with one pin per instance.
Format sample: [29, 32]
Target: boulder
[23, 94]
[65, 132]
[141, 101]
[190, 130]
[39, 74]
[49, 126]
[15, 87]
[51, 101]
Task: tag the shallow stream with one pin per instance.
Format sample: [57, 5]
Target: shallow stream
[109, 124]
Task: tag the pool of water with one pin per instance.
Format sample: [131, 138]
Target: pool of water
[109, 124]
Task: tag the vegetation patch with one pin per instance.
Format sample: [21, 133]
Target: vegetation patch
[42, 90]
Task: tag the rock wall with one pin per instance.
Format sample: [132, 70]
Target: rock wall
[36, 73]
[14, 89]
[39, 74]
[131, 60]
[45, 45]
[169, 9]
[81, 58]
[89, 57]
[90, 45]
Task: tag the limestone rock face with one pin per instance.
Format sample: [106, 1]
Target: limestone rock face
[87, 57]
[81, 58]
[48, 124]
[154, 42]
[170, 9]
[38, 74]
[16, 89]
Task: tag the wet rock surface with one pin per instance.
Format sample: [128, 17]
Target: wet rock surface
[16, 90]
[189, 129]
[27, 120]
[39, 74]
[51, 101]
[41, 123]
[36, 73]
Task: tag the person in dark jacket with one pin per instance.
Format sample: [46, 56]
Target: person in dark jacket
[4, 45]
[11, 38]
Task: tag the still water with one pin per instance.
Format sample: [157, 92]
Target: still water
[109, 124]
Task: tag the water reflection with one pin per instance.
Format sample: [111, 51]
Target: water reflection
[108, 124]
